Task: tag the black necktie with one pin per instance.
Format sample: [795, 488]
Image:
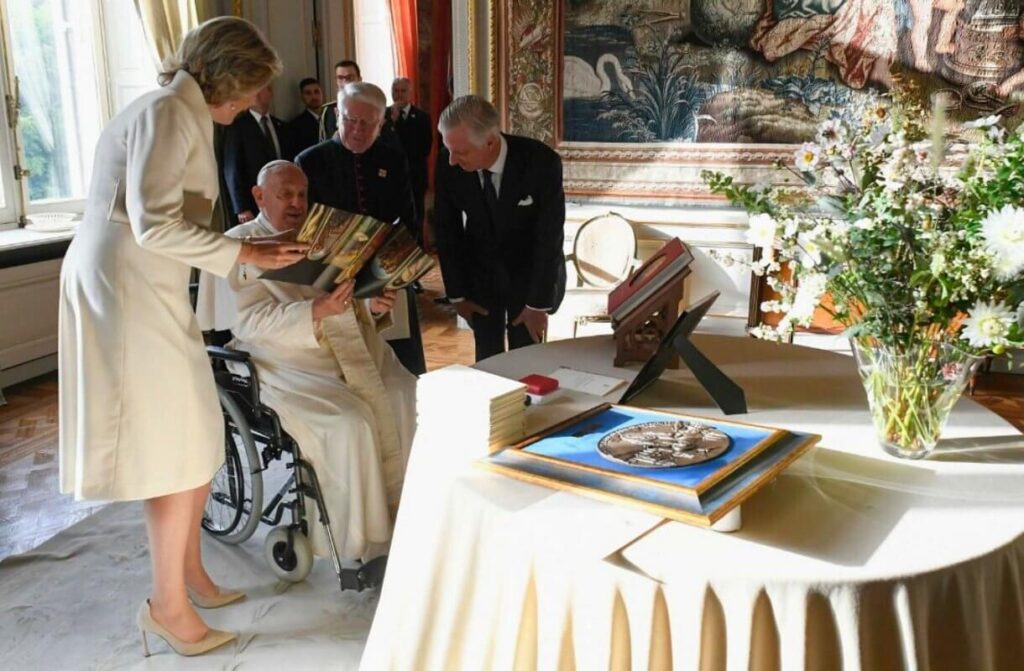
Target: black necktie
[265, 127]
[491, 196]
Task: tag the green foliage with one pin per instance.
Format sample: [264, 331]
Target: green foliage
[912, 237]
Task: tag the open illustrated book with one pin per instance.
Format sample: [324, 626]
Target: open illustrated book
[343, 246]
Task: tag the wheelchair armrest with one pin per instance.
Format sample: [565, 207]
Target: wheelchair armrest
[240, 356]
[227, 354]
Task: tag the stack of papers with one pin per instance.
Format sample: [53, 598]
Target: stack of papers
[472, 405]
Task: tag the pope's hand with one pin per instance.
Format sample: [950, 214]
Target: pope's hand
[383, 303]
[334, 303]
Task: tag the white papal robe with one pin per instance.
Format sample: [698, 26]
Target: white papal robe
[345, 399]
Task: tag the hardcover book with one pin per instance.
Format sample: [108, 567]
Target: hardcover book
[378, 255]
[684, 467]
[663, 267]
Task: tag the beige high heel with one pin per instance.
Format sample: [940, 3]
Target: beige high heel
[214, 638]
[222, 598]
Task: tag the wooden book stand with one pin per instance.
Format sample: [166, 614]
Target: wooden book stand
[638, 334]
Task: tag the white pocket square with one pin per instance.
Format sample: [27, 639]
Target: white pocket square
[526, 202]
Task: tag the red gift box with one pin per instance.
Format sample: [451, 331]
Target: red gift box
[539, 384]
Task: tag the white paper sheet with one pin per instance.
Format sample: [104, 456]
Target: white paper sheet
[588, 383]
[567, 522]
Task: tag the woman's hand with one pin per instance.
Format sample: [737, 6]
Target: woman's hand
[334, 303]
[383, 303]
[271, 252]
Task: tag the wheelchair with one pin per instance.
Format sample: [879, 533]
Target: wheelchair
[253, 440]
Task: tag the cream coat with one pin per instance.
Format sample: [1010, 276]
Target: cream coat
[139, 415]
[349, 404]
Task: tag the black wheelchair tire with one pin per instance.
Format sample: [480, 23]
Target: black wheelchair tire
[252, 476]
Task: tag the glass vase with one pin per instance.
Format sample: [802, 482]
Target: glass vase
[912, 390]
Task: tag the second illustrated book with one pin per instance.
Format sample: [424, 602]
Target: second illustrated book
[379, 255]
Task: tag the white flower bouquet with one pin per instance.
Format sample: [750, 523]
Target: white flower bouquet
[914, 234]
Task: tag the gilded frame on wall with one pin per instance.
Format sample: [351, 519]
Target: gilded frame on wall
[548, 60]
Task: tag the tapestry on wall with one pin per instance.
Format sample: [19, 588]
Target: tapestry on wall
[768, 71]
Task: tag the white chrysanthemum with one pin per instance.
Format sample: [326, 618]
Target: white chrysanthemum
[1003, 231]
[988, 324]
[879, 134]
[831, 132]
[864, 224]
[807, 157]
[938, 264]
[808, 295]
[761, 230]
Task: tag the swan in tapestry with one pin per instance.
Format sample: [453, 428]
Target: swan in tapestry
[583, 81]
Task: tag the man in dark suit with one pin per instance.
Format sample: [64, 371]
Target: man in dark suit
[345, 72]
[304, 129]
[503, 268]
[416, 135]
[253, 140]
[357, 172]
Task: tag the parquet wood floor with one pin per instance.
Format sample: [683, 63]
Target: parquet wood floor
[31, 509]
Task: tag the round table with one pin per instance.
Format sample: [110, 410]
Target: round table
[850, 559]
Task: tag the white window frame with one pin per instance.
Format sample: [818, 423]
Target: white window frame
[16, 202]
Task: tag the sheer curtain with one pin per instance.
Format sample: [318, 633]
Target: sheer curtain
[406, 32]
[52, 44]
[166, 22]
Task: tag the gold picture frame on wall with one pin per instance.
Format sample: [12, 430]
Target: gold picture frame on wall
[640, 97]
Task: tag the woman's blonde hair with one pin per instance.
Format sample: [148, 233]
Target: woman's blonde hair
[227, 56]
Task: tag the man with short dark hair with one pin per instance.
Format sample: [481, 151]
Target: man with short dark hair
[499, 218]
[304, 129]
[415, 134]
[254, 139]
[345, 72]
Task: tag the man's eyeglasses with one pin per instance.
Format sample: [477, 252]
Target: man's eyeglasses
[358, 123]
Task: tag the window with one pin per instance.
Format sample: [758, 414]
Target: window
[375, 43]
[69, 75]
[59, 105]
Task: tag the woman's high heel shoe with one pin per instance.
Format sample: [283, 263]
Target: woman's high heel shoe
[222, 598]
[214, 638]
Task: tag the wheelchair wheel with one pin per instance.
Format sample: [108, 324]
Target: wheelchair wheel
[235, 505]
[289, 553]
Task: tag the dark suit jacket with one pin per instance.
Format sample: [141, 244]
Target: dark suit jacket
[330, 168]
[416, 135]
[246, 151]
[518, 260]
[304, 131]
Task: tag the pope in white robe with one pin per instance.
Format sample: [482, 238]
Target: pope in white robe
[336, 385]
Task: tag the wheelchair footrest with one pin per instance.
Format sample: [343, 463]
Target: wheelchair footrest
[367, 576]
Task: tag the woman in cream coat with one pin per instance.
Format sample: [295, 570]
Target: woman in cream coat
[139, 417]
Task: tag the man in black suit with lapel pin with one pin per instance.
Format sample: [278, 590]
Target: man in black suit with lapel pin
[416, 135]
[499, 218]
[253, 140]
[304, 129]
[358, 172]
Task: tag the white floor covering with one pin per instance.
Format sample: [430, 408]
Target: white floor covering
[71, 604]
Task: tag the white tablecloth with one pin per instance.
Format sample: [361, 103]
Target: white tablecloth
[850, 560]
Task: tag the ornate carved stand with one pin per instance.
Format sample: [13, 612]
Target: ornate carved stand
[638, 334]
